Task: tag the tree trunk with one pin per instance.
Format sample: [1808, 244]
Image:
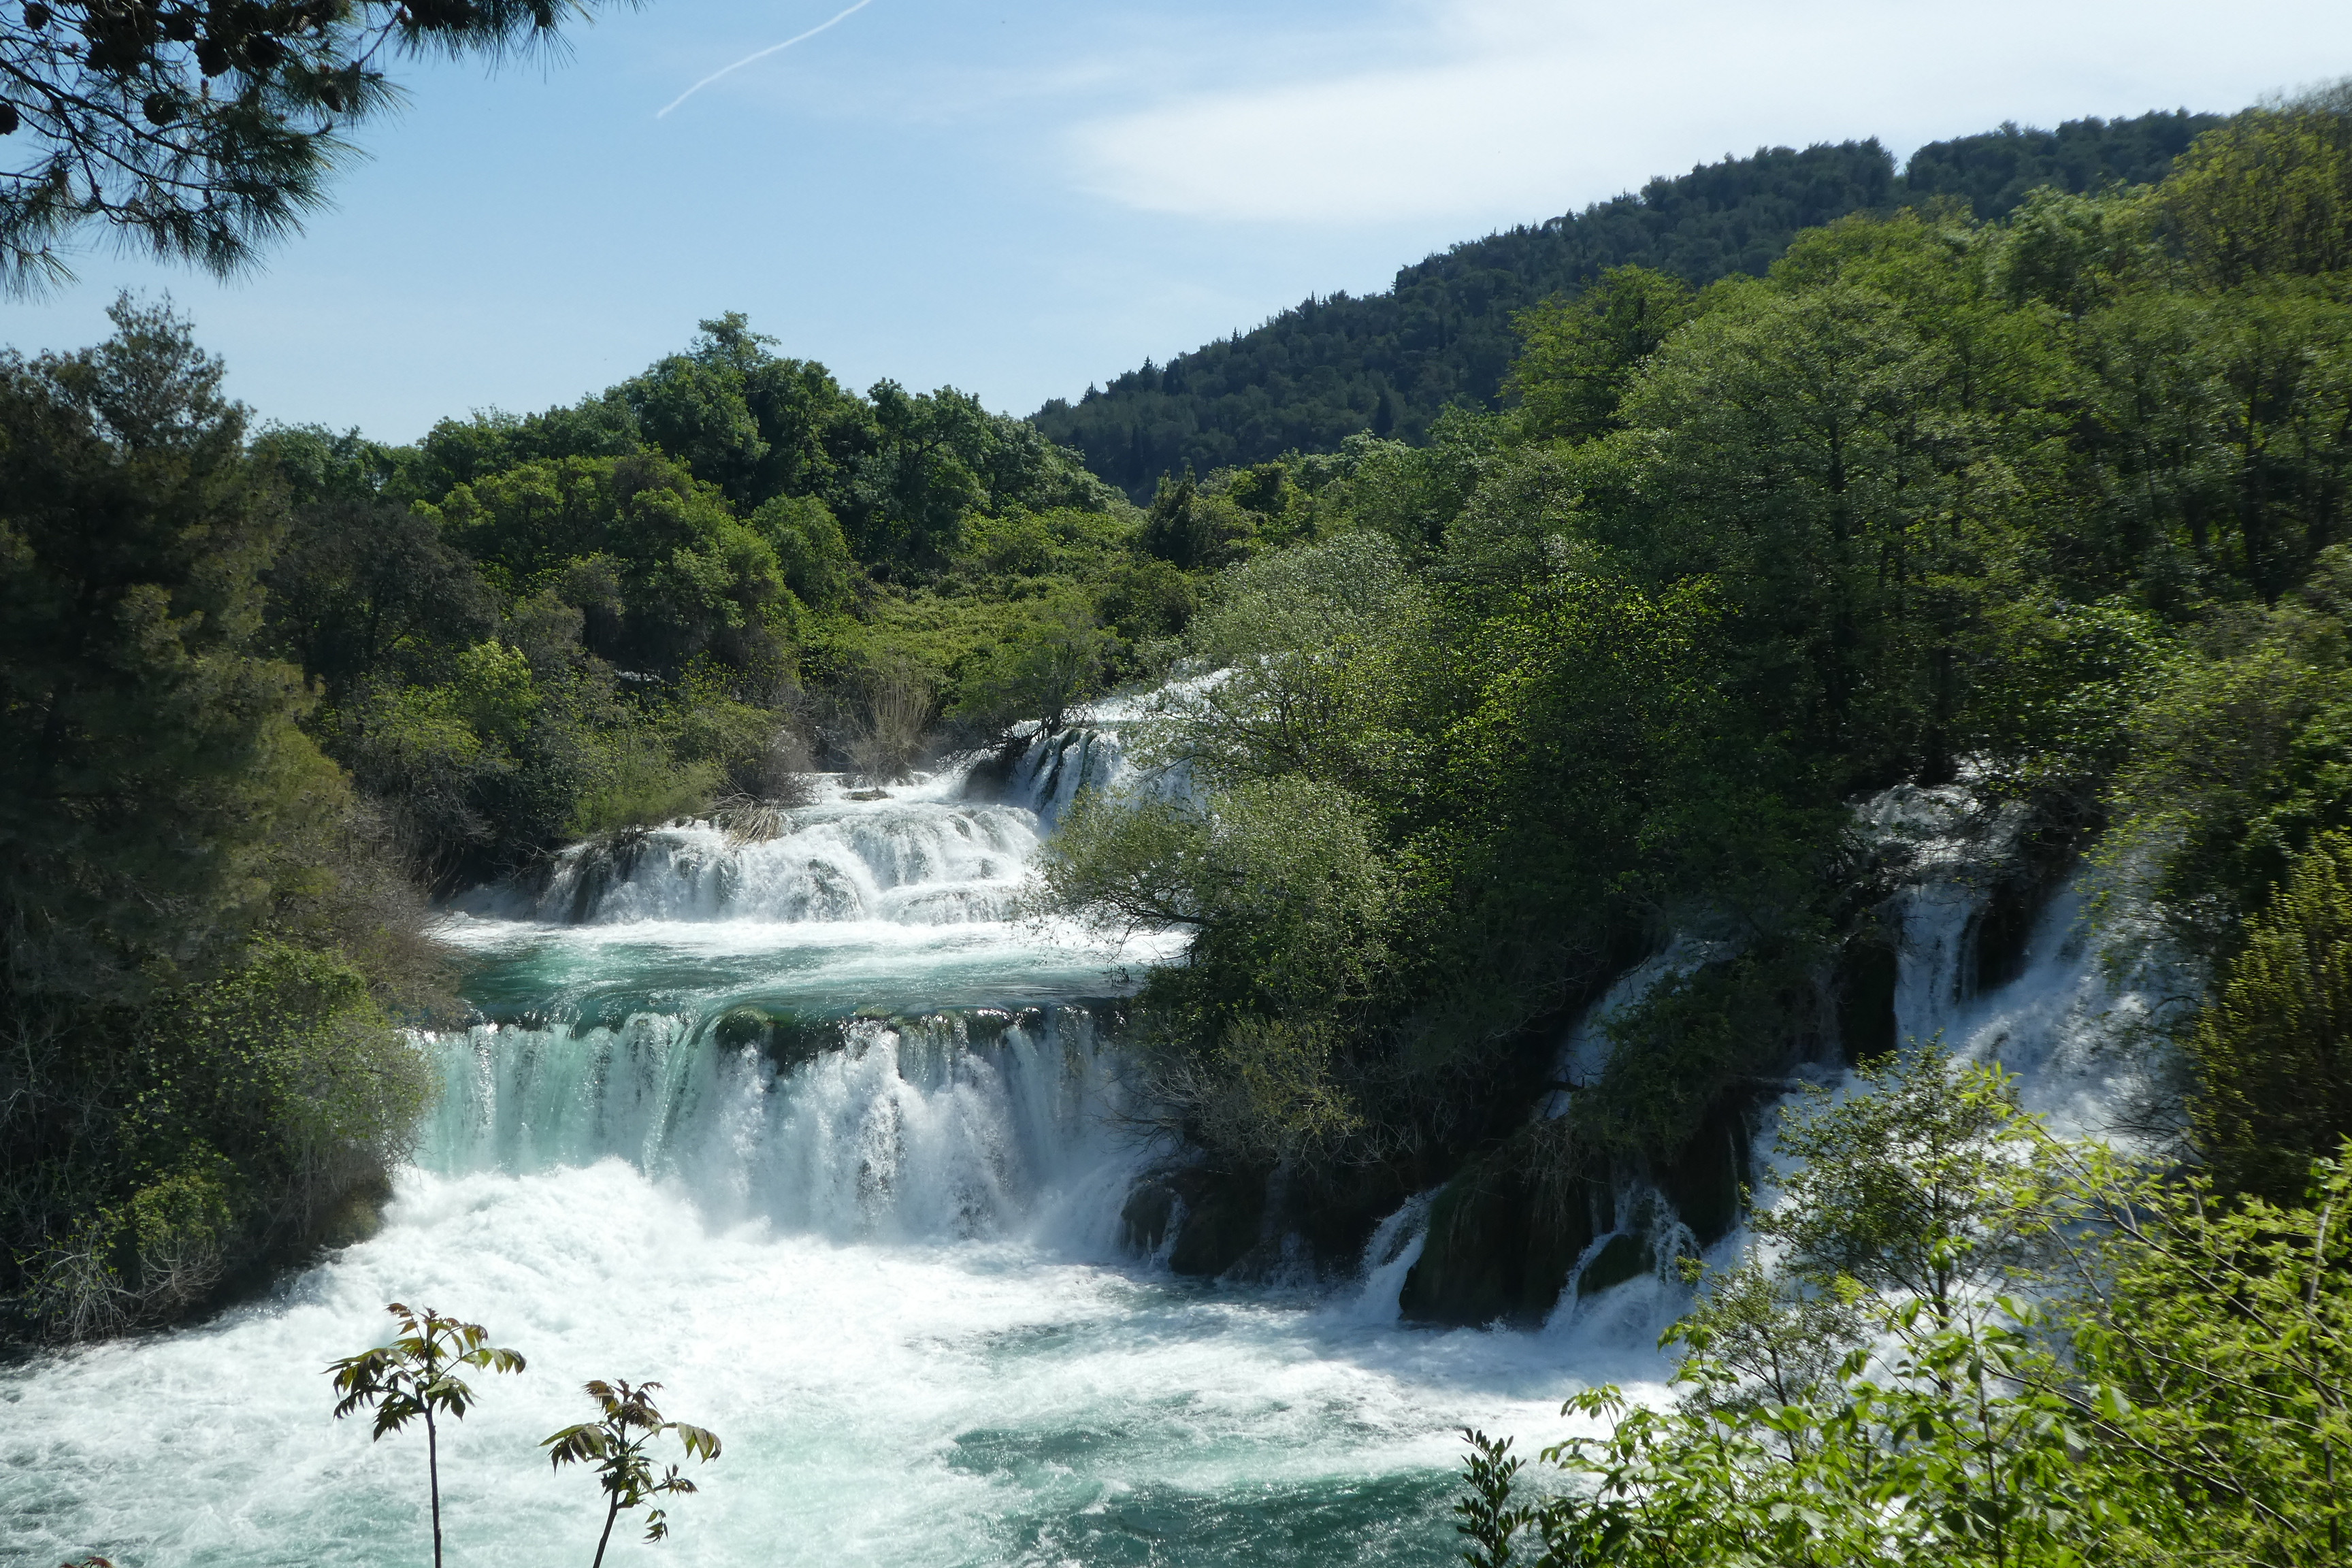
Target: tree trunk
[433, 1480]
[611, 1514]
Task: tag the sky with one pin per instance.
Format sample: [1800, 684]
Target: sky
[1023, 200]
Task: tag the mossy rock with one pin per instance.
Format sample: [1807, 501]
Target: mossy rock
[1707, 1179]
[356, 1216]
[787, 1039]
[1865, 984]
[1222, 1216]
[986, 1025]
[1143, 1220]
[1492, 1251]
[1620, 1258]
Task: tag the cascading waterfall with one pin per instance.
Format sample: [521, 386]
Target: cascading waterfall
[907, 1128]
[808, 1129]
[1053, 768]
[843, 1072]
[2066, 1019]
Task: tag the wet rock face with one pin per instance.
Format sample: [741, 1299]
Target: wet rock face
[1706, 1182]
[1224, 1219]
[787, 1039]
[1496, 1251]
[1259, 1227]
[1996, 938]
[1867, 971]
[1216, 1220]
[1620, 1258]
[1150, 1208]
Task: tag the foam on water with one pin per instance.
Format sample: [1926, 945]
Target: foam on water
[978, 1402]
[809, 1132]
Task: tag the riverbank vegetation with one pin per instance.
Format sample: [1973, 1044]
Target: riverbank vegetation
[268, 689]
[1977, 1345]
[2051, 507]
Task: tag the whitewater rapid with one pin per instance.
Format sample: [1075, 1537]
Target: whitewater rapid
[816, 1131]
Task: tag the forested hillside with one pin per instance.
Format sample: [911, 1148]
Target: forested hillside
[2056, 503]
[1443, 333]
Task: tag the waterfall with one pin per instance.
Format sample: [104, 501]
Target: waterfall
[1994, 963]
[2061, 1012]
[835, 1027]
[911, 862]
[944, 1126]
[1052, 769]
[937, 851]
[806, 1129]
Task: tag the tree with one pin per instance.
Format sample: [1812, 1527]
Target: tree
[2271, 1050]
[1281, 881]
[1908, 1186]
[1582, 352]
[416, 1375]
[615, 1444]
[151, 771]
[362, 587]
[2270, 192]
[657, 560]
[201, 131]
[757, 426]
[1051, 663]
[926, 474]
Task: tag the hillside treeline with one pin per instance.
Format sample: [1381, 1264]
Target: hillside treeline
[2053, 507]
[1442, 335]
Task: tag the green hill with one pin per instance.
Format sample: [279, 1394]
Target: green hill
[1442, 334]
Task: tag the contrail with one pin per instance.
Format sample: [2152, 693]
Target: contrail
[763, 54]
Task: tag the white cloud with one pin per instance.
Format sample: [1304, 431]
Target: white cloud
[1498, 109]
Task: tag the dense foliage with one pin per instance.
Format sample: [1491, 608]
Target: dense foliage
[2099, 1365]
[1444, 333]
[263, 687]
[2054, 504]
[532, 630]
[201, 942]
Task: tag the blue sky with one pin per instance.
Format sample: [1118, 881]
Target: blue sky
[1020, 200]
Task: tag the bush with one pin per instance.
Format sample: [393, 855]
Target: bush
[1049, 663]
[2173, 1398]
[228, 1122]
[1279, 881]
[2273, 1049]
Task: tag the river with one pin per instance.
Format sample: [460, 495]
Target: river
[813, 1132]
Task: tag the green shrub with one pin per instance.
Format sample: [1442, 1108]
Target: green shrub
[2273, 1049]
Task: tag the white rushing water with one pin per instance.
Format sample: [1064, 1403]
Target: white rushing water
[810, 1132]
[2064, 1021]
